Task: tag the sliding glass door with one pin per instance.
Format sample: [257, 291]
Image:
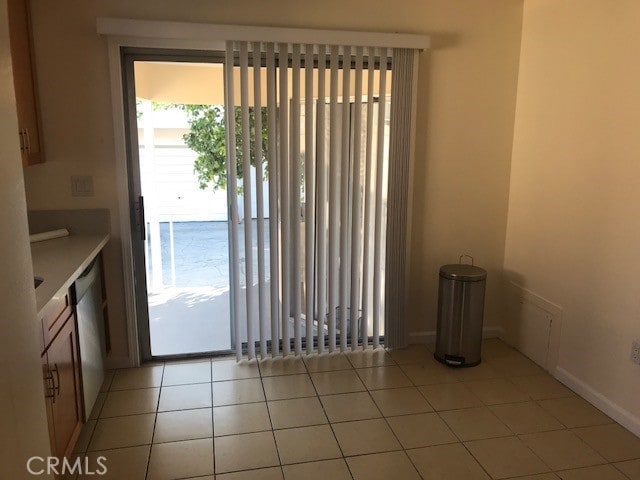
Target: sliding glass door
[179, 208]
[258, 182]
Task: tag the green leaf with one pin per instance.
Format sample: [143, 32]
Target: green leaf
[207, 137]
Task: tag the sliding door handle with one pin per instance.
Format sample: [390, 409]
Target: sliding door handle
[143, 225]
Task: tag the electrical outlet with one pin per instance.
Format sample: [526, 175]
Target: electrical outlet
[635, 352]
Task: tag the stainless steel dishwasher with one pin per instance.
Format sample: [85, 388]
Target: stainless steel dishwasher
[87, 298]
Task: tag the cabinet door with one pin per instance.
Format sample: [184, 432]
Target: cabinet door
[64, 364]
[24, 79]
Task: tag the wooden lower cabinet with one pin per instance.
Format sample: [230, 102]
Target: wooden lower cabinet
[61, 367]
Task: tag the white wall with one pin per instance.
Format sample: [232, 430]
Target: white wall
[168, 179]
[23, 431]
[573, 228]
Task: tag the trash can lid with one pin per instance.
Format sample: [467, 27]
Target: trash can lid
[462, 271]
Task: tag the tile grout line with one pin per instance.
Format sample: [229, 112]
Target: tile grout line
[317, 395]
[508, 379]
[335, 438]
[155, 421]
[404, 450]
[619, 470]
[97, 419]
[273, 433]
[384, 417]
[443, 420]
[484, 405]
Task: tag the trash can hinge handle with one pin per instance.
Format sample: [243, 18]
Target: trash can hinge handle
[465, 255]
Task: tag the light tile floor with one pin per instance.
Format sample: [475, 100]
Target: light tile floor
[364, 415]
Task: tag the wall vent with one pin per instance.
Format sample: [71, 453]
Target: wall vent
[534, 326]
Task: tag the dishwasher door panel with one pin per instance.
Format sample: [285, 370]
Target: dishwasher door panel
[92, 345]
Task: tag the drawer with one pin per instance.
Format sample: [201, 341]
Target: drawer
[58, 310]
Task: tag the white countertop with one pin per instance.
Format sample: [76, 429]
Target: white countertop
[61, 261]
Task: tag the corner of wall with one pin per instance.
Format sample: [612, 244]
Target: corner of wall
[22, 404]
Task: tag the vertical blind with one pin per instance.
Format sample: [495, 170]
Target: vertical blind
[396, 235]
[310, 271]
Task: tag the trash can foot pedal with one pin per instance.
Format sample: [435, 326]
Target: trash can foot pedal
[455, 361]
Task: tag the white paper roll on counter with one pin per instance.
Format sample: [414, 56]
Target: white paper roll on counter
[39, 237]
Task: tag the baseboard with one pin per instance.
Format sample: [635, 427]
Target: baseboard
[422, 337]
[430, 336]
[111, 363]
[619, 414]
[493, 332]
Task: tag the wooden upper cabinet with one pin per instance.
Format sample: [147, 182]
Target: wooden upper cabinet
[24, 79]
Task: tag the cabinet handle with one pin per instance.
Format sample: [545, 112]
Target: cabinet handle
[28, 141]
[56, 388]
[22, 142]
[50, 393]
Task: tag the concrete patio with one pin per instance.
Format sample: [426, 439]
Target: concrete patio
[189, 312]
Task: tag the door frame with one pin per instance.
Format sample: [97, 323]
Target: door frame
[158, 38]
[122, 33]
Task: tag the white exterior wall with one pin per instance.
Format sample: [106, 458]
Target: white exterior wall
[169, 179]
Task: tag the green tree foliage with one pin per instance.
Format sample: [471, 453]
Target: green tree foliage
[207, 137]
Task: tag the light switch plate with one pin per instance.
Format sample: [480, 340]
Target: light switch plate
[82, 186]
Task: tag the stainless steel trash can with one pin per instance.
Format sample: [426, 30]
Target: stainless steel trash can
[460, 314]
